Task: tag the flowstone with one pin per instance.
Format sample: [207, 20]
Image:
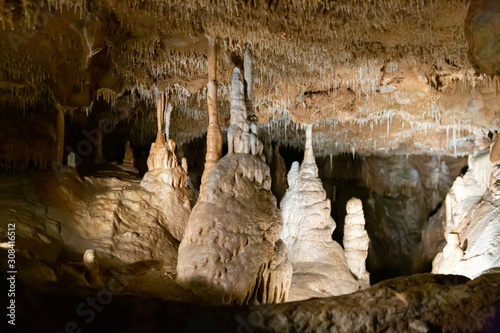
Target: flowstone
[474, 246]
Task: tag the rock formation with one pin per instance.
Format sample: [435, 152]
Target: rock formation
[475, 244]
[356, 241]
[214, 136]
[231, 252]
[168, 180]
[452, 253]
[71, 160]
[468, 190]
[129, 160]
[320, 268]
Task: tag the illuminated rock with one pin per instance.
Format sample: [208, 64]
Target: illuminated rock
[129, 160]
[478, 233]
[320, 268]
[231, 252]
[356, 241]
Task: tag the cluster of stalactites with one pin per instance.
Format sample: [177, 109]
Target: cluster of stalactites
[242, 133]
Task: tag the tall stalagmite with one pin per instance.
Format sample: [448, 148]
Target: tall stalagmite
[231, 252]
[319, 265]
[356, 241]
[214, 136]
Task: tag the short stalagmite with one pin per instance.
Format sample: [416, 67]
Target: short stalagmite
[320, 268]
[356, 241]
[231, 252]
[129, 160]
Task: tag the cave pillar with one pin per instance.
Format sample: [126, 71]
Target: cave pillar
[214, 135]
[59, 136]
[159, 112]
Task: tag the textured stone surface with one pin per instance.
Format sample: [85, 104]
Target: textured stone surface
[481, 28]
[475, 247]
[356, 241]
[418, 303]
[231, 252]
[319, 264]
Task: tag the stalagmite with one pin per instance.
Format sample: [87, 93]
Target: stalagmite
[128, 159]
[167, 179]
[71, 160]
[452, 253]
[60, 136]
[320, 268]
[214, 135]
[356, 241]
[231, 252]
[91, 263]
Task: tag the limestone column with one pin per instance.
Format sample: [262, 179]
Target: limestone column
[214, 135]
[159, 112]
[60, 136]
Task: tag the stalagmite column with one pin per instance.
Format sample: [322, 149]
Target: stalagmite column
[356, 241]
[231, 252]
[214, 136]
[71, 157]
[320, 268]
[60, 136]
[159, 111]
[309, 152]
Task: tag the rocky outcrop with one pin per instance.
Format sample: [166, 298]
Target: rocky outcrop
[417, 303]
[474, 245]
[231, 252]
[320, 268]
[481, 26]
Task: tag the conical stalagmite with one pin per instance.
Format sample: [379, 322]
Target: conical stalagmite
[167, 179]
[319, 265]
[356, 241]
[214, 136]
[231, 252]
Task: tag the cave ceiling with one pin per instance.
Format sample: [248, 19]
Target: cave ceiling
[373, 76]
